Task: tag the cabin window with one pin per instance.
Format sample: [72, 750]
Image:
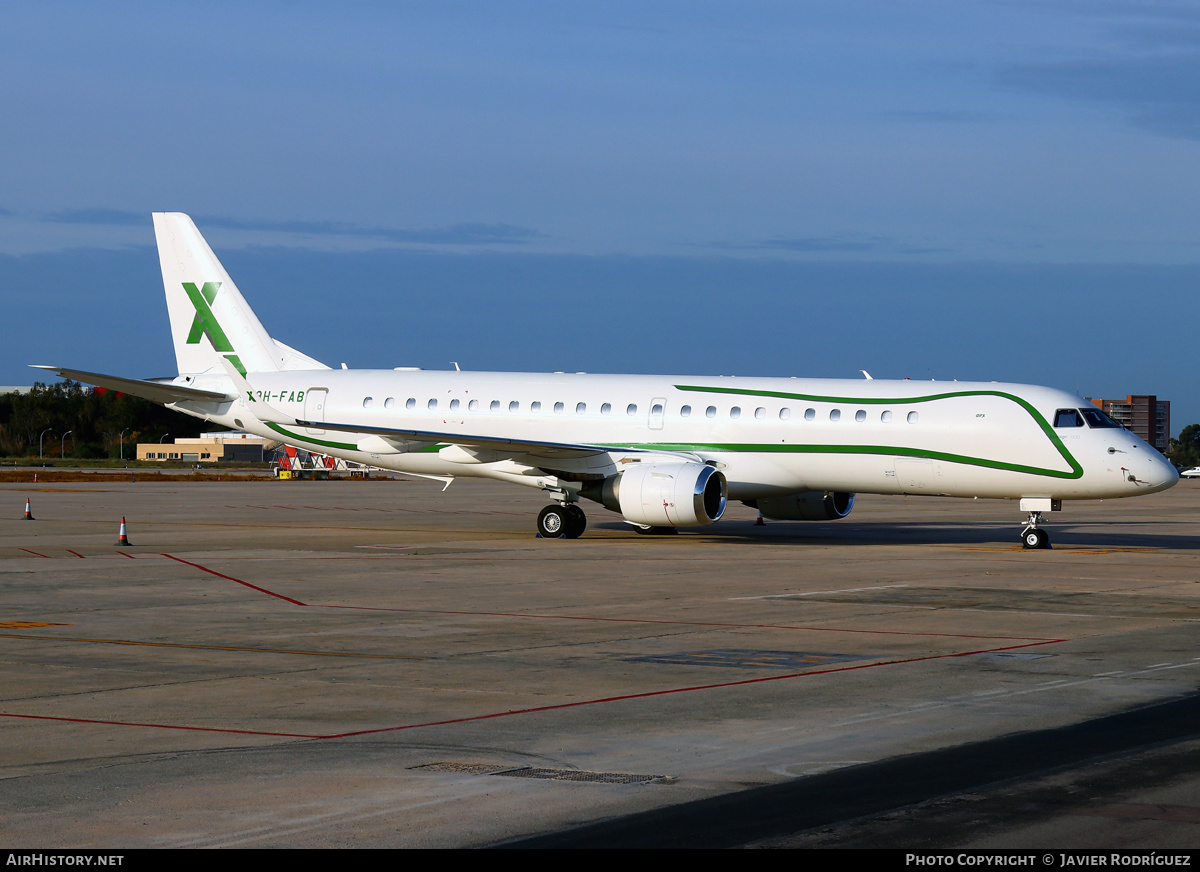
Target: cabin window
[886, 417]
[606, 409]
[1068, 418]
[657, 409]
[389, 402]
[631, 409]
[410, 403]
[535, 406]
[785, 413]
[367, 401]
[432, 404]
[912, 417]
[558, 407]
[473, 405]
[453, 404]
[760, 413]
[710, 412]
[860, 415]
[685, 411]
[735, 412]
[495, 406]
[514, 406]
[810, 414]
[835, 414]
[580, 408]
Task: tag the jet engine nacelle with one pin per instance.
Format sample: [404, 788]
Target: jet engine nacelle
[685, 494]
[807, 506]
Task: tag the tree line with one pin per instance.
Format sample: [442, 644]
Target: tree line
[71, 420]
[1185, 451]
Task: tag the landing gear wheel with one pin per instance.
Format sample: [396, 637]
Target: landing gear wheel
[553, 522]
[1035, 537]
[576, 521]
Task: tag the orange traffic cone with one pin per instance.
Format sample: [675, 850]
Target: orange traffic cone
[122, 539]
[28, 514]
[759, 522]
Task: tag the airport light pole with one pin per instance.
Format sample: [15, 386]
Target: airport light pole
[43, 433]
[122, 438]
[63, 452]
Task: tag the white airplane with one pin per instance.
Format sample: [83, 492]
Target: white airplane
[1194, 472]
[663, 451]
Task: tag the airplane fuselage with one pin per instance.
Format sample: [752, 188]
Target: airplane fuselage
[767, 435]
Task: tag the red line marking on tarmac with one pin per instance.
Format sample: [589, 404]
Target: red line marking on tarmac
[650, 693]
[162, 726]
[76, 553]
[34, 553]
[534, 710]
[125, 554]
[236, 580]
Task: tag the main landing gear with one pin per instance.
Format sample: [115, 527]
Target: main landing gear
[561, 522]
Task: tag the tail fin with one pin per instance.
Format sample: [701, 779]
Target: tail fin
[210, 319]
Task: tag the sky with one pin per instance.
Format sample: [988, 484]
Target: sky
[974, 190]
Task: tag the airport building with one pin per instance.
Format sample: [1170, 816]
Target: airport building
[211, 448]
[1145, 414]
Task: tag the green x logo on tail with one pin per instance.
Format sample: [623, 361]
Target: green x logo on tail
[205, 322]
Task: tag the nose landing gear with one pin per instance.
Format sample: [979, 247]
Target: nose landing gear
[1033, 536]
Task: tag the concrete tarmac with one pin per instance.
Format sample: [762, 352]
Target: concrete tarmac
[380, 664]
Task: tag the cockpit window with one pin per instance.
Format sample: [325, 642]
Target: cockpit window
[1098, 419]
[1068, 418]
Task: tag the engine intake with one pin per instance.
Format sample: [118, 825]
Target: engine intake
[686, 494]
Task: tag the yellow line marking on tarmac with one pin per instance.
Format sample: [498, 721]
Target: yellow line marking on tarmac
[208, 647]
[29, 625]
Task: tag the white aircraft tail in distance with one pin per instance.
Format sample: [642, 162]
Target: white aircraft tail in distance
[662, 451]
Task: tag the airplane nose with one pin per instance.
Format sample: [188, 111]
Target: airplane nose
[1161, 474]
[1171, 474]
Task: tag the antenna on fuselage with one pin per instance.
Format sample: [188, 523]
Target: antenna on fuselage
[866, 375]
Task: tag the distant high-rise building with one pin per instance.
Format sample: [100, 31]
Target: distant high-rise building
[1145, 414]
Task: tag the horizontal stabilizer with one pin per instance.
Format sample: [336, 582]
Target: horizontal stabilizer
[156, 392]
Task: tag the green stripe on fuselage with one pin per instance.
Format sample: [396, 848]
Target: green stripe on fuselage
[1076, 470]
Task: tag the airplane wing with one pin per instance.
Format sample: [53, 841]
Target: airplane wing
[524, 447]
[156, 392]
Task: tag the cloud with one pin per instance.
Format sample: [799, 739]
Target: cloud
[818, 244]
[1159, 93]
[1148, 67]
[99, 216]
[455, 234]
